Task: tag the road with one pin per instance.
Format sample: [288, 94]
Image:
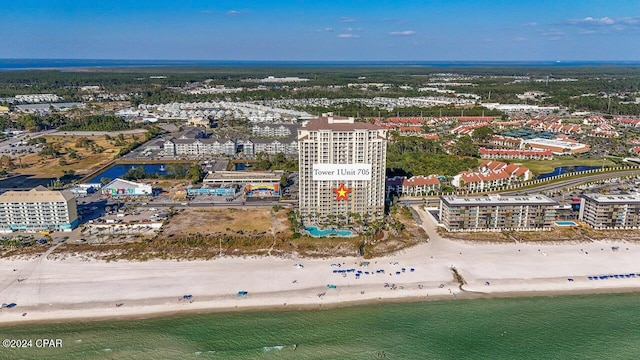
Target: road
[571, 182]
[6, 146]
[97, 133]
[208, 204]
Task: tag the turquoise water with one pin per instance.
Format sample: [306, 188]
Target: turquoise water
[568, 327]
[314, 231]
[566, 223]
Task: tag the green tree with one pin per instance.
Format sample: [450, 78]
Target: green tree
[48, 150]
[466, 147]
[177, 171]
[135, 174]
[105, 180]
[7, 163]
[483, 134]
[195, 173]
[29, 122]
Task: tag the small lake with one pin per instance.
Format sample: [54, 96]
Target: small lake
[565, 169]
[118, 170]
[241, 166]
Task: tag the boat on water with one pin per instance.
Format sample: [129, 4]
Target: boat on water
[161, 167]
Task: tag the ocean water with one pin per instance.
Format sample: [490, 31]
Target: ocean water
[22, 64]
[567, 327]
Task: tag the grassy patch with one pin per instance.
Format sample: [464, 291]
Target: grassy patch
[22, 250]
[81, 154]
[494, 237]
[558, 234]
[546, 166]
[628, 235]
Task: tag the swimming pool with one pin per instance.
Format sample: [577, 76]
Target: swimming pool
[566, 223]
[315, 232]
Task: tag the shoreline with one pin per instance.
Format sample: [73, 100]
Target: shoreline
[73, 289]
[149, 313]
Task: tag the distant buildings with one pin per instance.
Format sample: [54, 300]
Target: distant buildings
[43, 108]
[275, 138]
[497, 213]
[37, 98]
[515, 154]
[275, 130]
[273, 146]
[198, 147]
[197, 121]
[269, 140]
[506, 141]
[558, 147]
[273, 79]
[610, 211]
[520, 108]
[342, 171]
[38, 209]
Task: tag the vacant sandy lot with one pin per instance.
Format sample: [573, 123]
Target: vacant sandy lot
[216, 221]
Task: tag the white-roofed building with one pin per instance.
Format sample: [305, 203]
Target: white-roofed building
[121, 187]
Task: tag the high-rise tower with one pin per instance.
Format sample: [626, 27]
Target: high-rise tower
[342, 171]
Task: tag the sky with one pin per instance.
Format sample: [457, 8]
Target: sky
[305, 30]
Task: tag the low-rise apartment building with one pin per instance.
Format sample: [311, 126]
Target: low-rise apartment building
[610, 211]
[275, 130]
[203, 146]
[288, 146]
[420, 185]
[515, 154]
[490, 175]
[413, 186]
[497, 213]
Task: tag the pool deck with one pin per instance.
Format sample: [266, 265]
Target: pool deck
[328, 233]
[566, 223]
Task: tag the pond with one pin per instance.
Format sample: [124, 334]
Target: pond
[241, 166]
[565, 169]
[118, 170]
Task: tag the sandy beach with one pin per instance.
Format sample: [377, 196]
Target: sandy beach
[51, 290]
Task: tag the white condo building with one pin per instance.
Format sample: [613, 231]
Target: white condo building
[38, 209]
[342, 171]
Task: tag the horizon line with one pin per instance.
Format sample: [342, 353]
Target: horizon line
[312, 60]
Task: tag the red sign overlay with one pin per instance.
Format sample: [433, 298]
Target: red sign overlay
[342, 193]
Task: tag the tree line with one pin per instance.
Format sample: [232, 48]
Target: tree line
[411, 156]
